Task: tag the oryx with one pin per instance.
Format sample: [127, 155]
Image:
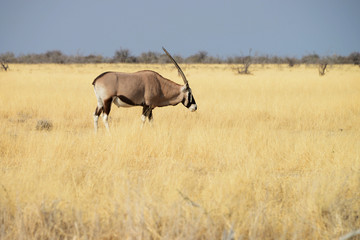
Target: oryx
[144, 88]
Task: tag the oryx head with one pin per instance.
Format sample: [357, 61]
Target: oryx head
[188, 99]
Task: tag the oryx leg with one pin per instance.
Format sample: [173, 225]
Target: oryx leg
[146, 113]
[150, 116]
[97, 113]
[107, 108]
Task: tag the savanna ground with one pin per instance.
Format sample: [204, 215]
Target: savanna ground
[272, 155]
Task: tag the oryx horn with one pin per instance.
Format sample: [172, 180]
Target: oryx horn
[178, 67]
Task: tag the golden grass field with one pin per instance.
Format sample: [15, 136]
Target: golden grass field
[271, 155]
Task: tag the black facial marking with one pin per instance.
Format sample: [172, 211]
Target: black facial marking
[189, 102]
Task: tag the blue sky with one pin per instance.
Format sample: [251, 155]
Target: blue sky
[222, 28]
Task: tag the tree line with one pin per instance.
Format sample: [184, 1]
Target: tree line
[125, 56]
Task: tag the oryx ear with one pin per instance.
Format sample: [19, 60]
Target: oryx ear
[184, 88]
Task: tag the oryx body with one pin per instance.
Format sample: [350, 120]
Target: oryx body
[144, 88]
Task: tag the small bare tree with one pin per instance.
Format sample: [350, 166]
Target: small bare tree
[5, 66]
[322, 68]
[290, 61]
[246, 62]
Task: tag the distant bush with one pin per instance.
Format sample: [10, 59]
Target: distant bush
[93, 59]
[291, 61]
[123, 56]
[355, 58]
[199, 57]
[310, 59]
[149, 57]
[55, 57]
[8, 57]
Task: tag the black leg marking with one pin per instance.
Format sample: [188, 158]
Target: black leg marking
[107, 106]
[98, 111]
[147, 112]
[150, 115]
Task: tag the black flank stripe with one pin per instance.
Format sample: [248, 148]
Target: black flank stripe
[126, 100]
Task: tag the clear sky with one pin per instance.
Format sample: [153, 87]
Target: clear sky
[222, 28]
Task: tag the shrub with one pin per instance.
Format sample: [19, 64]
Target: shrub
[123, 56]
[44, 125]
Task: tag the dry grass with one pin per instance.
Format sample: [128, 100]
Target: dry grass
[273, 155]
